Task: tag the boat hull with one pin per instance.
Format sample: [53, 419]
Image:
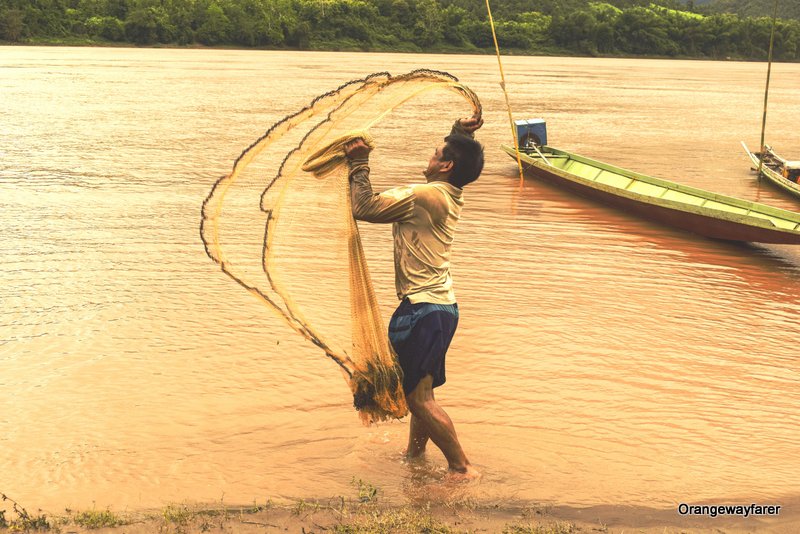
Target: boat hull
[706, 222]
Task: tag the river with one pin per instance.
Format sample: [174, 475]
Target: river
[600, 359]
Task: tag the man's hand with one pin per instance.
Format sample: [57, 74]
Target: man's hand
[471, 124]
[357, 149]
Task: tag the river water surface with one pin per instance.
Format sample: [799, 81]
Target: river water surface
[599, 360]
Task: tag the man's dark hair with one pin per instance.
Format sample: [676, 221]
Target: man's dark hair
[467, 157]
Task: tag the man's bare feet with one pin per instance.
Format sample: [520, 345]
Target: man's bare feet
[469, 474]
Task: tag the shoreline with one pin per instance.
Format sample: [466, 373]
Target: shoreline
[90, 43]
[366, 513]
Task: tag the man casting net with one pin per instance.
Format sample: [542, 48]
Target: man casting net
[280, 224]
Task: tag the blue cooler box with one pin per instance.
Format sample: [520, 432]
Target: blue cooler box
[530, 132]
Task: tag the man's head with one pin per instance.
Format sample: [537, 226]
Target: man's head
[459, 161]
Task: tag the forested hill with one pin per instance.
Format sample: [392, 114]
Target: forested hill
[661, 28]
[787, 9]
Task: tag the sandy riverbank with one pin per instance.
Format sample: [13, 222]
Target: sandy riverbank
[365, 513]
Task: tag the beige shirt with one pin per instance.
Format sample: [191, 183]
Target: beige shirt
[424, 221]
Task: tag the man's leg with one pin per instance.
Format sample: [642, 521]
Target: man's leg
[418, 437]
[438, 425]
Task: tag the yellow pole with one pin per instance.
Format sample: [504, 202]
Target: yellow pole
[505, 93]
[766, 91]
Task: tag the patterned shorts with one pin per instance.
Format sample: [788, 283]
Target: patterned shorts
[421, 334]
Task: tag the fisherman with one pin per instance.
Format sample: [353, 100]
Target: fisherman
[424, 218]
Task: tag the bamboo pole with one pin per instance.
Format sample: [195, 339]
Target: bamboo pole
[766, 91]
[505, 93]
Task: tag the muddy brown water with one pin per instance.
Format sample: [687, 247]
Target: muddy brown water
[600, 360]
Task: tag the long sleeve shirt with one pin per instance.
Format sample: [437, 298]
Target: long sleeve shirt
[424, 219]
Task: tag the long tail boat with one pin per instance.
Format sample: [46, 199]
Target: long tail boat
[695, 210]
[776, 170]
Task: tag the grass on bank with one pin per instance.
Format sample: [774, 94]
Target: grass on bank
[93, 519]
[360, 514]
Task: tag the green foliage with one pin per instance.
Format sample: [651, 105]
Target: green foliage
[400, 521]
[148, 22]
[641, 31]
[366, 491]
[216, 27]
[754, 8]
[108, 28]
[605, 12]
[98, 519]
[661, 28]
[24, 522]
[12, 25]
[576, 31]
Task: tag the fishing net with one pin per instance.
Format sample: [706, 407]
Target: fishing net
[280, 224]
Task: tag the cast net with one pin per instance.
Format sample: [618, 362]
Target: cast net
[280, 224]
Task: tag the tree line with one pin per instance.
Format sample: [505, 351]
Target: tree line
[668, 28]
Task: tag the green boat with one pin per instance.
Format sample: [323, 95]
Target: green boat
[695, 210]
[778, 171]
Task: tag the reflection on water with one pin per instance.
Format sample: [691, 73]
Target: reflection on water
[600, 359]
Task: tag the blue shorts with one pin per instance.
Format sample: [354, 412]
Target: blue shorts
[421, 334]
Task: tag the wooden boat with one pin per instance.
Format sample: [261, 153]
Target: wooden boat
[777, 170]
[688, 208]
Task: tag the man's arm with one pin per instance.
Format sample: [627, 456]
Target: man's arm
[369, 206]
